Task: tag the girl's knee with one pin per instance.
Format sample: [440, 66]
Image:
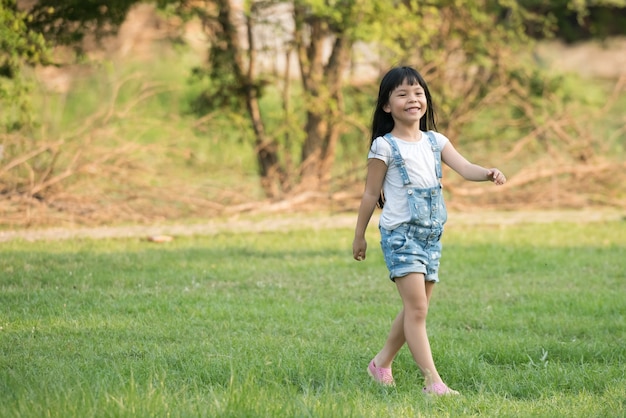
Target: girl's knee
[416, 313]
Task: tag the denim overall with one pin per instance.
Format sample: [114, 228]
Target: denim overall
[415, 245]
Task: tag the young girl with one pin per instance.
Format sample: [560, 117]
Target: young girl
[404, 162]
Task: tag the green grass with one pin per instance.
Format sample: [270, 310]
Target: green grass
[529, 320]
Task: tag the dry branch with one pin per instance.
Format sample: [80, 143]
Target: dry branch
[528, 176]
[29, 155]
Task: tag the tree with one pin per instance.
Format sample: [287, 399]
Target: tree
[313, 25]
[461, 43]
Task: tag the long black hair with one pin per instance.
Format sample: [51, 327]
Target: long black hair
[382, 122]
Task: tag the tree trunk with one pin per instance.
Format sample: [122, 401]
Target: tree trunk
[265, 147]
[337, 66]
[324, 99]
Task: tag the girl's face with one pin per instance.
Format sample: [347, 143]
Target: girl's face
[407, 104]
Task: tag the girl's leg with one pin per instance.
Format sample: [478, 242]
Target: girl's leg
[415, 299]
[396, 338]
[394, 343]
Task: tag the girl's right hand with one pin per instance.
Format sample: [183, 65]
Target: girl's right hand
[359, 246]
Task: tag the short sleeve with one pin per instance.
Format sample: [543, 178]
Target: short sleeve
[381, 150]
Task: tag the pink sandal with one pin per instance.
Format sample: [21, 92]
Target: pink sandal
[439, 389]
[380, 374]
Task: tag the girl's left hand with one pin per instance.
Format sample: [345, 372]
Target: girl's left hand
[495, 175]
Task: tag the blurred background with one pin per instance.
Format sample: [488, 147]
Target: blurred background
[132, 111]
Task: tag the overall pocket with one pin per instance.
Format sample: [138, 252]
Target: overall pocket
[419, 207]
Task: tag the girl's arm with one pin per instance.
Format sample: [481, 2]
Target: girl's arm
[376, 170]
[467, 170]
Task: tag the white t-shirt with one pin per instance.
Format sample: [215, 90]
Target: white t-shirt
[420, 166]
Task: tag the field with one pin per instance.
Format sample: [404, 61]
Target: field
[529, 320]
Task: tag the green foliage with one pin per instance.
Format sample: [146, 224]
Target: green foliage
[68, 21]
[19, 45]
[353, 17]
[575, 20]
[284, 323]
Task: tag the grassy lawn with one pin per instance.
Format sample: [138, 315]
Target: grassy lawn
[529, 320]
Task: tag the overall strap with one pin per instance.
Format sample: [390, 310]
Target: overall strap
[437, 151]
[397, 159]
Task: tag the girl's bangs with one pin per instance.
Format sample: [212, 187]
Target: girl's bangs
[411, 79]
[409, 76]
